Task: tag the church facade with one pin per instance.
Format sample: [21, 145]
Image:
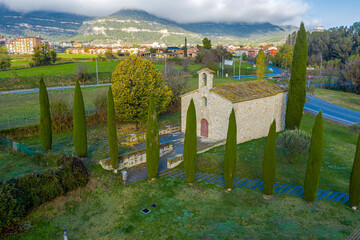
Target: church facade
[256, 105]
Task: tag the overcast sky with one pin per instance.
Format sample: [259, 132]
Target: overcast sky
[328, 13]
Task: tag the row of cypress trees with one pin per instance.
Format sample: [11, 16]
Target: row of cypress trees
[79, 120]
[312, 175]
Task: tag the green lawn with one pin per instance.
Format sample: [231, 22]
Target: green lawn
[344, 99]
[14, 164]
[106, 210]
[339, 153]
[23, 109]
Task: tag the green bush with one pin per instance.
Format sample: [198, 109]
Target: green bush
[294, 142]
[79, 130]
[100, 103]
[45, 117]
[355, 128]
[20, 195]
[11, 209]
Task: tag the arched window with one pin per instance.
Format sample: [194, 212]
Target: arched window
[205, 101]
[205, 79]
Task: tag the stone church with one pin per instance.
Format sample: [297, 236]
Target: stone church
[256, 105]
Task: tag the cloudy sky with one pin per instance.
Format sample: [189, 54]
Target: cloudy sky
[329, 13]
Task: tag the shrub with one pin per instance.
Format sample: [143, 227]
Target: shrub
[100, 103]
[11, 208]
[20, 195]
[82, 72]
[294, 142]
[60, 108]
[355, 128]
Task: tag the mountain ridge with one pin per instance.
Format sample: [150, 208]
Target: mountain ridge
[132, 26]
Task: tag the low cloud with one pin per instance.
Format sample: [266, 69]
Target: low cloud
[183, 11]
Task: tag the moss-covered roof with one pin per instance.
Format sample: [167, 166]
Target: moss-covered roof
[207, 70]
[245, 91]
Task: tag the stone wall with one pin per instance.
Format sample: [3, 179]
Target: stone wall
[177, 159]
[253, 118]
[141, 136]
[135, 158]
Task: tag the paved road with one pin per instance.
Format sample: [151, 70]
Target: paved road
[331, 111]
[313, 105]
[35, 90]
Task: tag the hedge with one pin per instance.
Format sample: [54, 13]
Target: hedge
[19, 195]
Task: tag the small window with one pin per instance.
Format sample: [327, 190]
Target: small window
[205, 101]
[205, 79]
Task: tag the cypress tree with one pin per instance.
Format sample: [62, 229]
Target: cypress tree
[312, 175]
[112, 136]
[79, 131]
[152, 141]
[190, 144]
[269, 162]
[230, 152]
[354, 188]
[260, 65]
[185, 48]
[297, 87]
[45, 116]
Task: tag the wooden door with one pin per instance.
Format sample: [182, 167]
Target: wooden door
[204, 128]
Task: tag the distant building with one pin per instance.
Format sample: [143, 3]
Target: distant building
[317, 29]
[23, 45]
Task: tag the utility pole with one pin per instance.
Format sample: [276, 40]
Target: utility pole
[240, 66]
[165, 64]
[97, 73]
[222, 67]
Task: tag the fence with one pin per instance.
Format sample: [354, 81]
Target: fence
[17, 147]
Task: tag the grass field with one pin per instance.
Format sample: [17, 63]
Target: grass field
[344, 99]
[339, 153]
[23, 109]
[106, 210]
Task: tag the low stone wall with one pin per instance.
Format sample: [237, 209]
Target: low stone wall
[136, 157]
[141, 137]
[174, 161]
[177, 159]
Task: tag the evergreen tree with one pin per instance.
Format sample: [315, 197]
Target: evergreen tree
[45, 117]
[297, 88]
[260, 65]
[269, 162]
[206, 43]
[354, 188]
[230, 152]
[112, 136]
[79, 131]
[190, 144]
[185, 49]
[152, 141]
[312, 175]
